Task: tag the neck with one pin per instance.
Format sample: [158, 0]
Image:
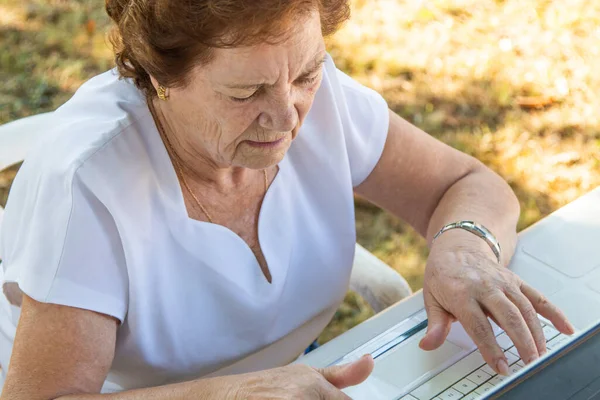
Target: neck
[193, 162]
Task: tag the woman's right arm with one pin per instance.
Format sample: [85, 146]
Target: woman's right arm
[65, 353]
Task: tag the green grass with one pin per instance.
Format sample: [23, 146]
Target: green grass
[514, 83]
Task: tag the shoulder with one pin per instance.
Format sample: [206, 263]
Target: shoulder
[356, 119]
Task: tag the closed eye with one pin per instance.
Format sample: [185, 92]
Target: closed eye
[305, 81]
[245, 99]
[308, 80]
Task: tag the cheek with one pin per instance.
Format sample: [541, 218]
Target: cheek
[306, 101]
[236, 120]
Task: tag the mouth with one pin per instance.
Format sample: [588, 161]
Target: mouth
[266, 144]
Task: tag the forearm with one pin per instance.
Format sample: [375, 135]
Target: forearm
[213, 388]
[484, 197]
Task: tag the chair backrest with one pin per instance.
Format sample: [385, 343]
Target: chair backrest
[1, 215]
[17, 138]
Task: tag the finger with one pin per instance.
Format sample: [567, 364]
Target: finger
[531, 319]
[547, 309]
[479, 329]
[513, 323]
[438, 324]
[342, 376]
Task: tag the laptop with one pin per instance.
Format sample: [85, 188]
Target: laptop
[559, 256]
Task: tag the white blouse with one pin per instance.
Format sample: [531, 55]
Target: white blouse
[96, 220]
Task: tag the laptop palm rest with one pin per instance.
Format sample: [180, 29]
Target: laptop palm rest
[404, 366]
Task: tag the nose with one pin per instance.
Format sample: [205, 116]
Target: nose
[279, 114]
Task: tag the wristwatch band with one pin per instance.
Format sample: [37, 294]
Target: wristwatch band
[476, 229]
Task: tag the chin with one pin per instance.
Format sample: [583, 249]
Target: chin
[263, 161]
[262, 158]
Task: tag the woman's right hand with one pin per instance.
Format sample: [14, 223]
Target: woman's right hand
[299, 381]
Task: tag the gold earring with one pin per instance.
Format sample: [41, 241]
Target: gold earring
[162, 92]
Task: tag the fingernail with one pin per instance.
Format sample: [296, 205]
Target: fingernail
[502, 367]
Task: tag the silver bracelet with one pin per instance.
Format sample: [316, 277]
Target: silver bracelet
[476, 229]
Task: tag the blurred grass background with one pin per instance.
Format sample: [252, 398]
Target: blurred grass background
[514, 83]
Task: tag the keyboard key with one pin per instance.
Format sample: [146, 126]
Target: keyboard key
[486, 368]
[497, 380]
[479, 377]
[558, 341]
[511, 358]
[471, 396]
[521, 363]
[408, 397]
[450, 394]
[514, 351]
[514, 368]
[549, 332]
[486, 387]
[504, 341]
[465, 386]
[449, 376]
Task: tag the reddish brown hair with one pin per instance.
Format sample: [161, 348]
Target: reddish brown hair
[168, 38]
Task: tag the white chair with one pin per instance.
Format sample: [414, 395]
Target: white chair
[379, 284]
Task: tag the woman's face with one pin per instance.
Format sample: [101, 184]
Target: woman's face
[245, 107]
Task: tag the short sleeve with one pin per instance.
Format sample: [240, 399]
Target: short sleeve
[60, 243]
[366, 122]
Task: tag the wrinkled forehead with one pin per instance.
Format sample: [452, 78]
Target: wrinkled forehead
[302, 47]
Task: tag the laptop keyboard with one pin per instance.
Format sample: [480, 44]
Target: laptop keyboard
[471, 378]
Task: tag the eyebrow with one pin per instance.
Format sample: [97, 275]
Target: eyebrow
[316, 64]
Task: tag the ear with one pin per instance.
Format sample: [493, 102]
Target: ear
[154, 82]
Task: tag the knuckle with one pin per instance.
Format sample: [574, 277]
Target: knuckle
[496, 299]
[530, 314]
[479, 329]
[542, 301]
[314, 374]
[488, 285]
[512, 278]
[513, 318]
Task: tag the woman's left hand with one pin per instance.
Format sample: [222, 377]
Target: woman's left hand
[464, 282]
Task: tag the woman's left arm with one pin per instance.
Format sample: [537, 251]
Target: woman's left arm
[429, 184]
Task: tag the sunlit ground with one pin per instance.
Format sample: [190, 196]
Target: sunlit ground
[514, 83]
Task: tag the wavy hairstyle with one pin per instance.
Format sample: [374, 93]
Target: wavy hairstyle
[166, 39]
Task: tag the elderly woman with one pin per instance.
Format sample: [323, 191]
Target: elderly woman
[187, 227]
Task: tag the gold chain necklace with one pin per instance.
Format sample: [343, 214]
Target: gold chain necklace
[177, 165]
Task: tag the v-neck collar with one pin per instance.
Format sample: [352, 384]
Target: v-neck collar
[217, 246]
